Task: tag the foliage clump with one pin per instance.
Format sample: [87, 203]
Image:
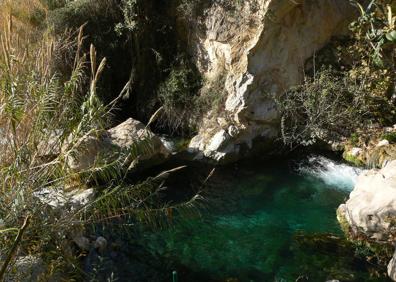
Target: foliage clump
[353, 90]
[186, 98]
[326, 107]
[390, 136]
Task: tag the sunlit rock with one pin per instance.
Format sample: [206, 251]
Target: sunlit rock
[383, 143]
[370, 211]
[261, 51]
[131, 143]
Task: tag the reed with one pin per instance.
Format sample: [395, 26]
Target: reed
[41, 112]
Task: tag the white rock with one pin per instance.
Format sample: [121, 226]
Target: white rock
[355, 151]
[371, 208]
[383, 143]
[259, 54]
[392, 268]
[373, 201]
[57, 198]
[218, 140]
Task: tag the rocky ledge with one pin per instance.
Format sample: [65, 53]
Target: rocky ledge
[370, 212]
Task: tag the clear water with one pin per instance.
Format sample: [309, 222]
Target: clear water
[273, 221]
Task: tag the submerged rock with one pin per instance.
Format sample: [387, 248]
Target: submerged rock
[259, 48]
[370, 212]
[131, 143]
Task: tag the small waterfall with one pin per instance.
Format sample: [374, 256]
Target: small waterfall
[168, 143]
[339, 175]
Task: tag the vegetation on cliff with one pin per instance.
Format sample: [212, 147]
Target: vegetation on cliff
[352, 83]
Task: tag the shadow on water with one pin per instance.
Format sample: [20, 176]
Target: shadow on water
[259, 221]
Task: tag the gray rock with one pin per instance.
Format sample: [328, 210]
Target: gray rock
[100, 244]
[27, 268]
[57, 198]
[131, 143]
[82, 242]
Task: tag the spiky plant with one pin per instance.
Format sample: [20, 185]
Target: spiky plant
[43, 118]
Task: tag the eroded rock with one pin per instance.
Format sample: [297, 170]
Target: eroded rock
[261, 51]
[370, 212]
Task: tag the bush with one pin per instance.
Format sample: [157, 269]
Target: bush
[354, 139]
[391, 137]
[329, 106]
[178, 96]
[100, 18]
[185, 102]
[368, 54]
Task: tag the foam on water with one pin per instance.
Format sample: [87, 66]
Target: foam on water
[338, 175]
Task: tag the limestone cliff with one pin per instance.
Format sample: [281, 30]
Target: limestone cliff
[260, 48]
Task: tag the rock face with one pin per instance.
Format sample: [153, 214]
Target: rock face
[260, 48]
[130, 142]
[370, 211]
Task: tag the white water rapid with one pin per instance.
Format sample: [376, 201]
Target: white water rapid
[339, 175]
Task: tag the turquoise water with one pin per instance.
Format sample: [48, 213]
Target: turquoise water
[271, 221]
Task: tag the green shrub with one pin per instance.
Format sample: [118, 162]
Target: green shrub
[178, 96]
[391, 137]
[55, 4]
[186, 98]
[354, 139]
[328, 106]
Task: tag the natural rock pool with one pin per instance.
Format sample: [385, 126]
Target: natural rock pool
[269, 221]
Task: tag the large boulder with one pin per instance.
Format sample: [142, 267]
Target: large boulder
[259, 49]
[371, 208]
[130, 143]
[370, 212]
